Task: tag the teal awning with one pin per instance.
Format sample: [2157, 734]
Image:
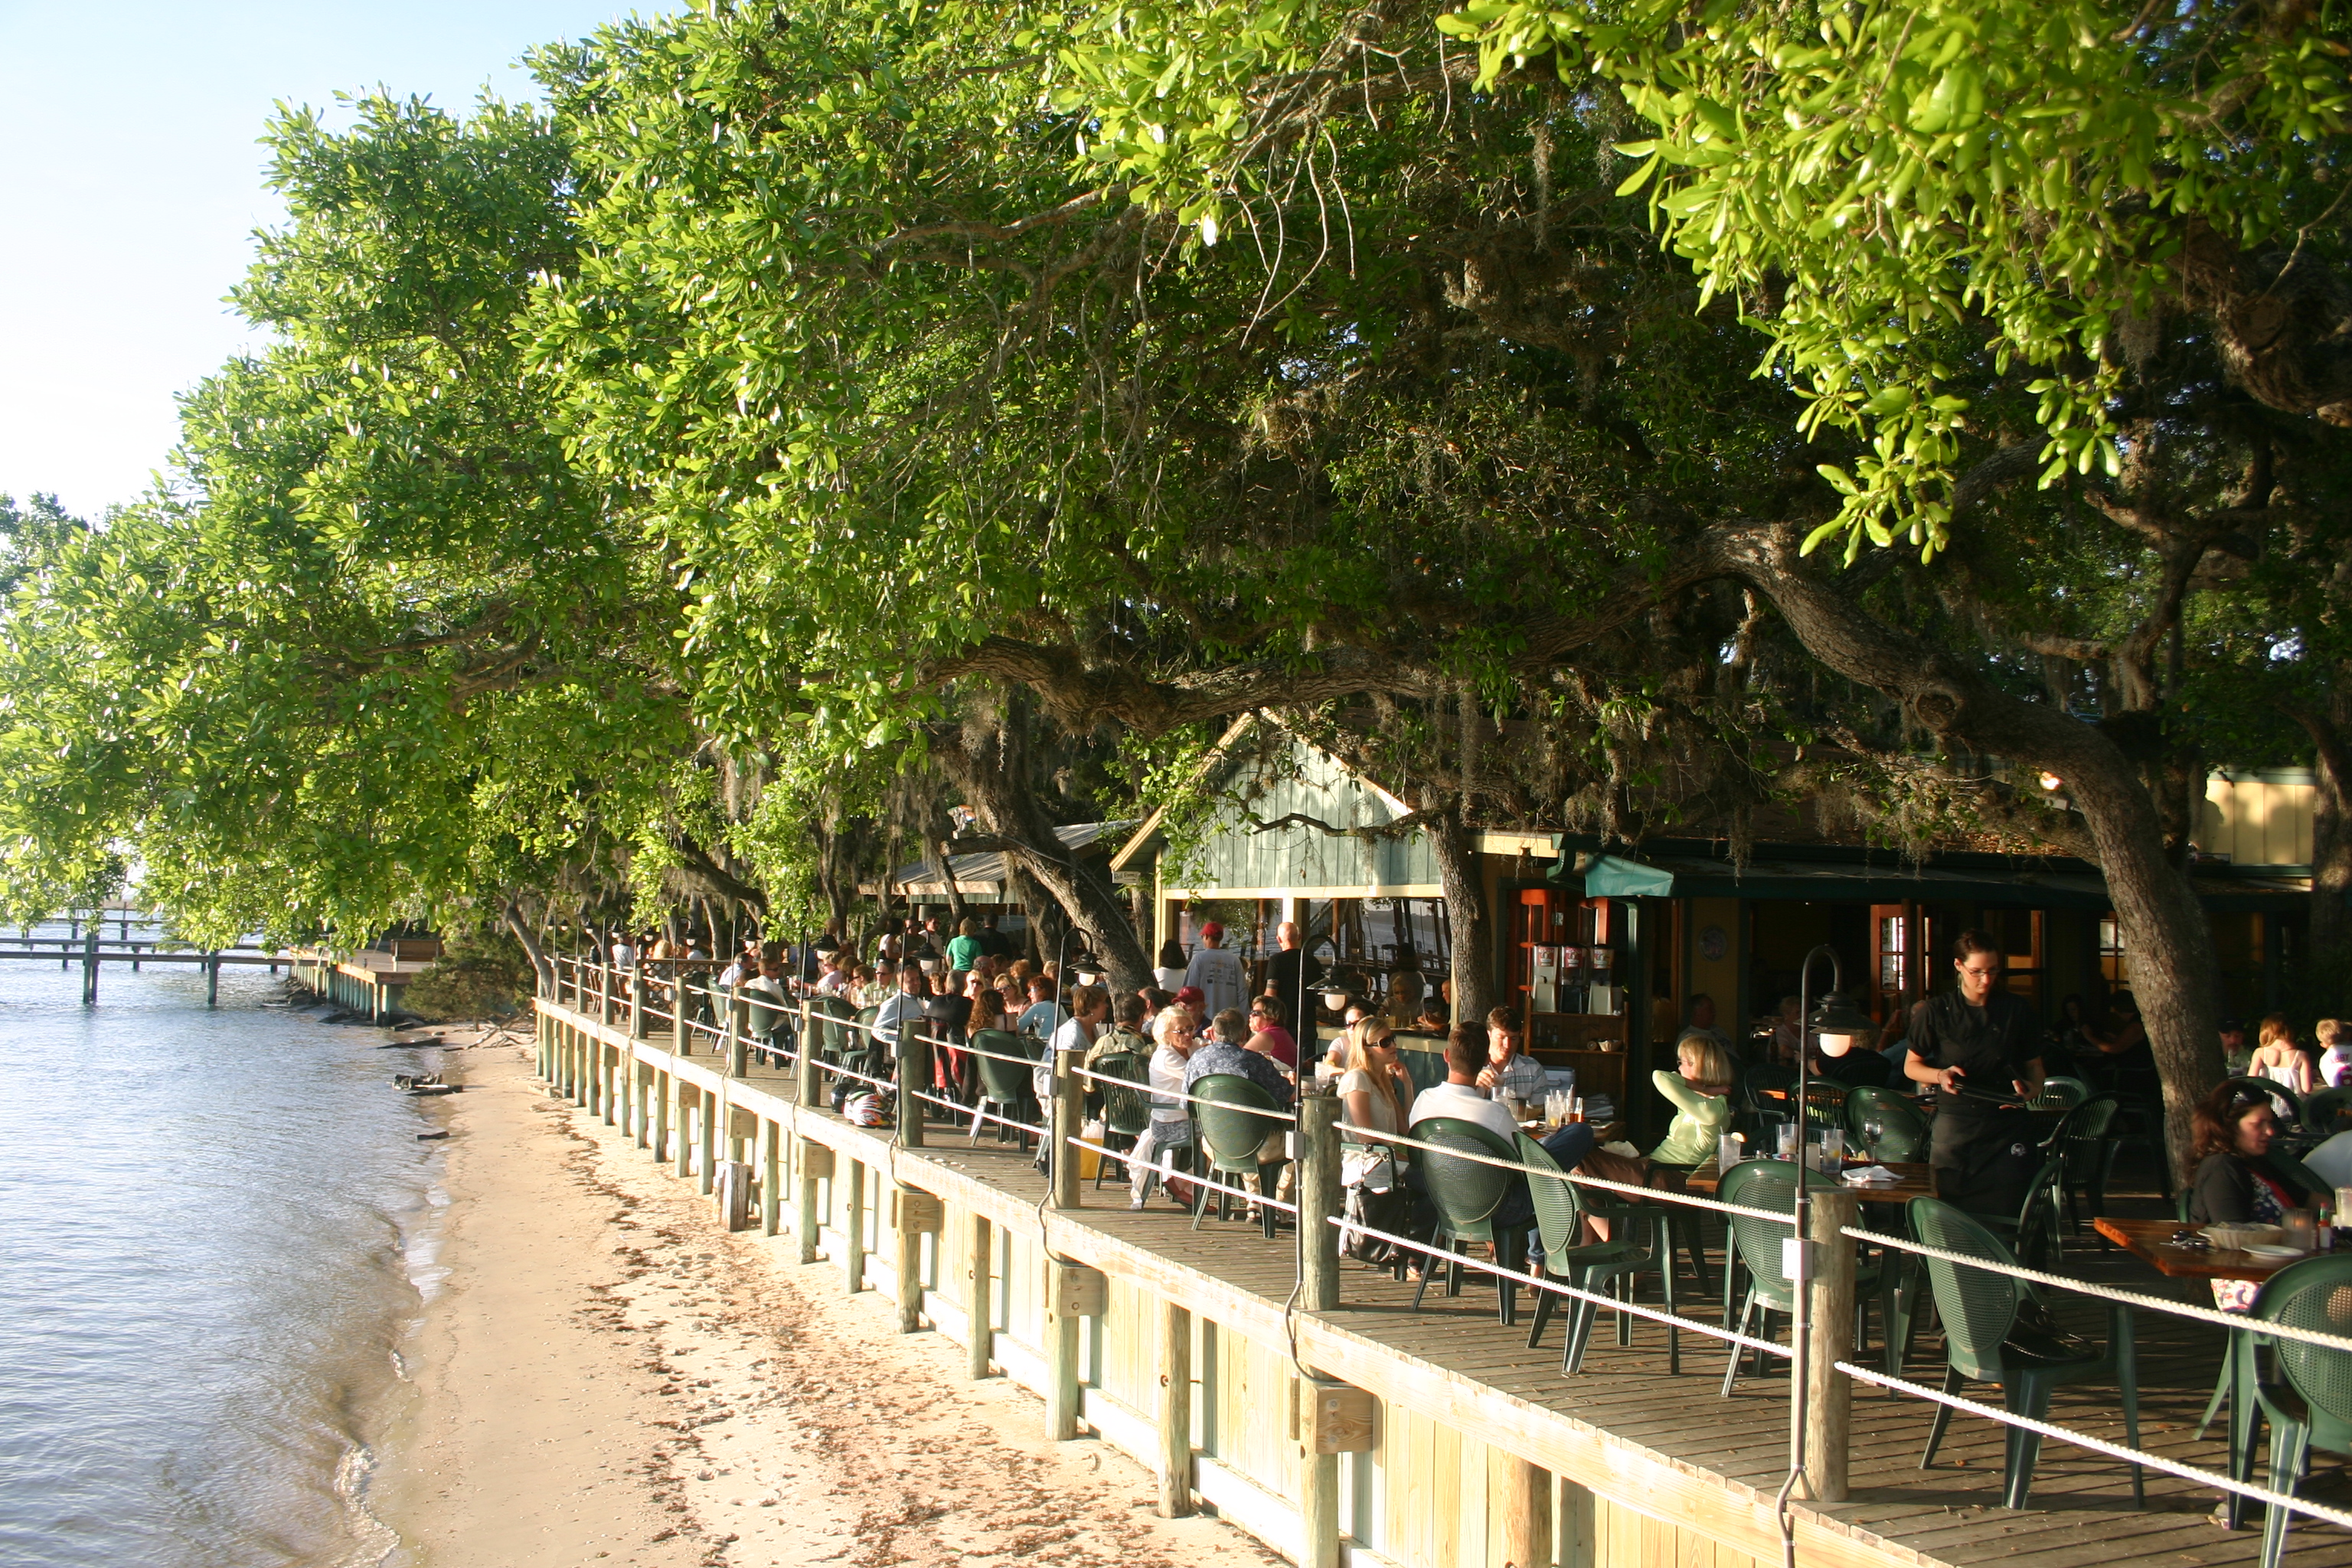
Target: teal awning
[2025, 885]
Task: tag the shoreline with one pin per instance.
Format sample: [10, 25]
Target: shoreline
[607, 1374]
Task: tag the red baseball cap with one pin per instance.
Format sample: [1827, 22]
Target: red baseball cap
[1192, 995]
[1213, 931]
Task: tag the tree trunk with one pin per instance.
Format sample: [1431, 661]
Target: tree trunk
[2329, 961]
[2174, 976]
[1451, 842]
[947, 874]
[1079, 884]
[540, 966]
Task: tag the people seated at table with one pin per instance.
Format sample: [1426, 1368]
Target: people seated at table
[2236, 1184]
[1170, 1127]
[1700, 1089]
[1375, 1091]
[1224, 1052]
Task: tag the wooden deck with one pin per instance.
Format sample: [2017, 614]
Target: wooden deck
[1668, 1446]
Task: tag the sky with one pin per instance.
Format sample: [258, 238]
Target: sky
[131, 184]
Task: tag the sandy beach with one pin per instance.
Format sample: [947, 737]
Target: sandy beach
[609, 1375]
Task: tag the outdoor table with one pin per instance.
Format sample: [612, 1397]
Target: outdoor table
[2150, 1241]
[1917, 1181]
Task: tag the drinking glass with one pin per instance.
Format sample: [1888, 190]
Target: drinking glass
[1786, 1139]
[1873, 1128]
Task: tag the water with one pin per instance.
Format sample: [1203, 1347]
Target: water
[213, 1228]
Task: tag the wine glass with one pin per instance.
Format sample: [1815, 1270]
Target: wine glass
[1873, 1128]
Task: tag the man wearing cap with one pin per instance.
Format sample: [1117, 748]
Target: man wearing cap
[1216, 972]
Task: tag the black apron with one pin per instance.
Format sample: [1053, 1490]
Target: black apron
[1983, 1155]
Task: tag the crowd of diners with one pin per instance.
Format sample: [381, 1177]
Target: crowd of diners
[950, 981]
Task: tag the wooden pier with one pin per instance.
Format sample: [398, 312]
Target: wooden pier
[1456, 1446]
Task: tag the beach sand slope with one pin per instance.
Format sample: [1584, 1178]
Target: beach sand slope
[610, 1376]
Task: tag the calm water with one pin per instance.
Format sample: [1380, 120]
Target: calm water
[213, 1227]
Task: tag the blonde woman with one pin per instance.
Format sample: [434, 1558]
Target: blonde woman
[2278, 1058]
[1375, 1093]
[1700, 1088]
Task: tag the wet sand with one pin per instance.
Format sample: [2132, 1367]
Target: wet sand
[608, 1375]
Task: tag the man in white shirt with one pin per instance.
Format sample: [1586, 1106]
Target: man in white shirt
[767, 985]
[1459, 1095]
[1216, 972]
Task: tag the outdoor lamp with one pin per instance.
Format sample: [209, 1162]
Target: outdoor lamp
[1836, 1025]
[1335, 1000]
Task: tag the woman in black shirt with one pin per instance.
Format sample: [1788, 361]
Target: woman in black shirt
[946, 1012]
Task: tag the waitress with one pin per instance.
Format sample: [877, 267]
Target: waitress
[1981, 1049]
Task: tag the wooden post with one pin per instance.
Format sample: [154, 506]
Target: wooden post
[1071, 1293]
[1828, 1392]
[661, 1117]
[604, 994]
[1522, 1496]
[708, 1110]
[852, 1187]
[90, 967]
[736, 1043]
[917, 1212]
[1175, 1466]
[637, 1020]
[814, 1163]
[771, 1138]
[1319, 1510]
[979, 1300]
[808, 1082]
[1579, 1526]
[911, 1053]
[212, 978]
[1067, 1115]
[1318, 1201]
[683, 1163]
[614, 1056]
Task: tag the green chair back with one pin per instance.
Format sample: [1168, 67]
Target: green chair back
[866, 1015]
[1006, 1083]
[2322, 1112]
[1466, 1192]
[834, 1039]
[1762, 1185]
[2061, 1094]
[2283, 1100]
[1125, 1110]
[1824, 1103]
[1236, 1121]
[2315, 1294]
[761, 1017]
[1977, 1307]
[1559, 1206]
[1904, 1129]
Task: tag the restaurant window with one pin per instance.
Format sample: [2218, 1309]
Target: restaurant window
[2115, 964]
[1393, 951]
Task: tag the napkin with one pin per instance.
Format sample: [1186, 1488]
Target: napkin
[1869, 1175]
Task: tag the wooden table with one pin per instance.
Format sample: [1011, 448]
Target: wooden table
[1917, 1181]
[2150, 1241]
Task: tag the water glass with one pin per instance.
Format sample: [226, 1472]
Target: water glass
[1729, 1150]
[1832, 1144]
[1873, 1129]
[1785, 1140]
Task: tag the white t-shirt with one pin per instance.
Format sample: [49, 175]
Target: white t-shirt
[1465, 1103]
[1383, 1112]
[2335, 1065]
[1218, 973]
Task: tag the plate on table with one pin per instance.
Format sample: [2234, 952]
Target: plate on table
[2263, 1249]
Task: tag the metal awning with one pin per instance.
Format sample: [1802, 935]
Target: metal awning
[983, 874]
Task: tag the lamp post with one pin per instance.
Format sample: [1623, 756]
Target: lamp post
[1836, 1026]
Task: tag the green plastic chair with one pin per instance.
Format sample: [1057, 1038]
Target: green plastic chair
[1234, 1125]
[1978, 1308]
[2034, 1234]
[1465, 1194]
[2285, 1102]
[1756, 1116]
[2085, 1142]
[826, 1016]
[2308, 1399]
[1004, 1087]
[2327, 1112]
[1755, 1250]
[1126, 1111]
[2060, 1094]
[1904, 1130]
[761, 1020]
[1586, 1266]
[1824, 1103]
